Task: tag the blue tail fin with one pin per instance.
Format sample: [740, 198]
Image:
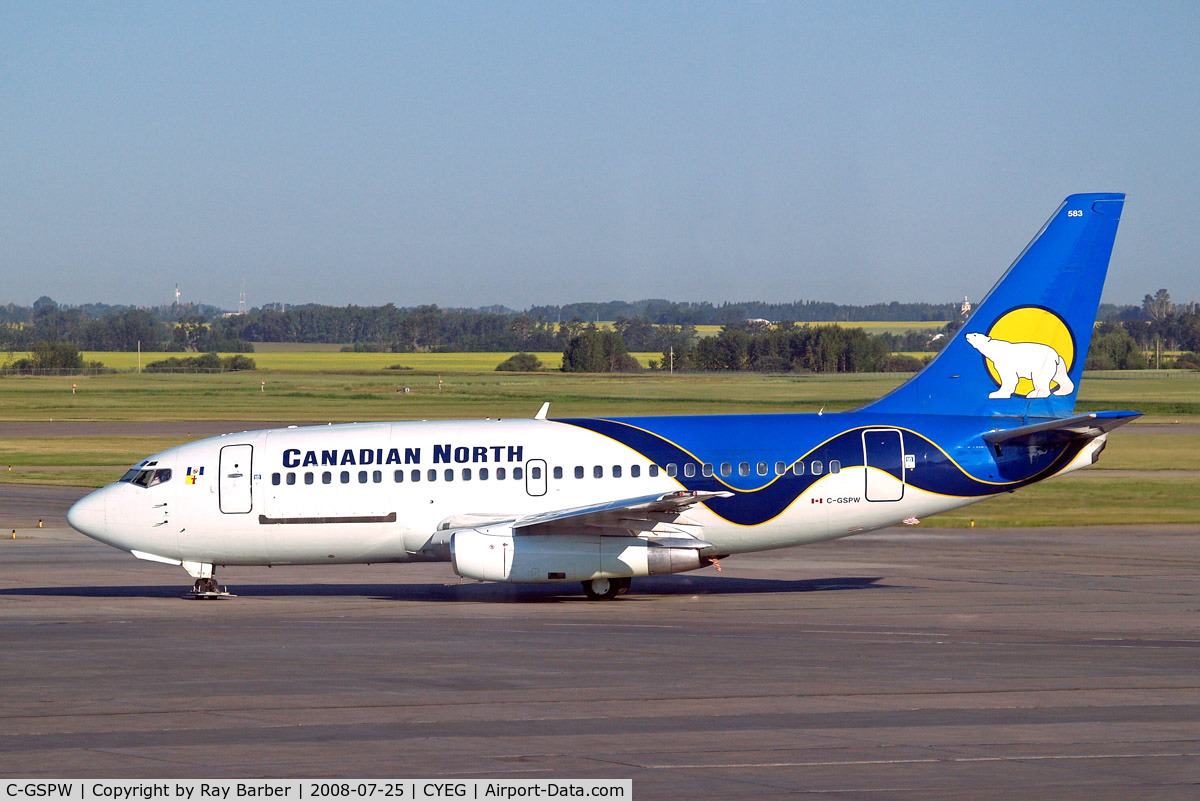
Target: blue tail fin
[1021, 353]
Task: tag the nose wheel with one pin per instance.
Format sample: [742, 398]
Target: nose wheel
[206, 588]
[605, 589]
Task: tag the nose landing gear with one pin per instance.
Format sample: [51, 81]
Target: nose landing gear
[205, 588]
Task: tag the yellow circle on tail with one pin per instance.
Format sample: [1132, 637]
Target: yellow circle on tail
[1031, 324]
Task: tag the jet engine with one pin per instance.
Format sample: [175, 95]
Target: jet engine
[496, 553]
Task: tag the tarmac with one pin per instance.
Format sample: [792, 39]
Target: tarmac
[916, 663]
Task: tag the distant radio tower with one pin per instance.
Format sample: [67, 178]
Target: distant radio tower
[177, 294]
[242, 299]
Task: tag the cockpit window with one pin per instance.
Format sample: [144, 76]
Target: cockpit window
[150, 478]
[132, 472]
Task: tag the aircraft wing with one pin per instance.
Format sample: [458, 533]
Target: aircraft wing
[643, 509]
[656, 516]
[1081, 426]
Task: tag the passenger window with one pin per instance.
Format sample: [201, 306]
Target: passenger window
[483, 474]
[689, 469]
[653, 471]
[415, 475]
[558, 472]
[466, 476]
[449, 472]
[817, 467]
[616, 471]
[308, 478]
[291, 479]
[275, 478]
[327, 477]
[726, 468]
[597, 472]
[672, 469]
[798, 468]
[835, 466]
[377, 476]
[762, 468]
[706, 469]
[578, 471]
[398, 476]
[635, 471]
[500, 474]
[431, 475]
[518, 473]
[362, 476]
[780, 468]
[744, 469]
[345, 476]
[535, 472]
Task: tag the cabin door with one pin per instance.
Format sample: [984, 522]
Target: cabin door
[883, 457]
[233, 486]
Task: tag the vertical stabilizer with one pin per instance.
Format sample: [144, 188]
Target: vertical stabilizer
[1022, 352]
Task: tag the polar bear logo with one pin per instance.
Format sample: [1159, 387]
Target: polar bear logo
[1039, 363]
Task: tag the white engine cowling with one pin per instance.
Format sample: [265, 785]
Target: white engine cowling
[496, 554]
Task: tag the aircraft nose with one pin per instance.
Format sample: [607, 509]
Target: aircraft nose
[87, 516]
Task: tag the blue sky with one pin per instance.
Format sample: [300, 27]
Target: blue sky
[527, 153]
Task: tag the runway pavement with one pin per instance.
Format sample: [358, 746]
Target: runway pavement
[906, 664]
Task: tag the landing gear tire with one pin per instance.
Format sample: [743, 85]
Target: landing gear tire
[205, 586]
[207, 589]
[602, 589]
[625, 585]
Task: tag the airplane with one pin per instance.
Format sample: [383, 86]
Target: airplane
[604, 500]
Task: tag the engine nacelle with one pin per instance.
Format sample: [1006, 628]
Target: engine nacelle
[495, 554]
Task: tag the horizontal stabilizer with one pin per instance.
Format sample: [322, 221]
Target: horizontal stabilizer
[1081, 426]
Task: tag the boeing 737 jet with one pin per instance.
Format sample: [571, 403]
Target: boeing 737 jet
[604, 500]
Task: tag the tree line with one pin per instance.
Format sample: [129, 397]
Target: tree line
[114, 328]
[743, 344]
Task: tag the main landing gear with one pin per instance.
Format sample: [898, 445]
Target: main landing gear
[605, 589]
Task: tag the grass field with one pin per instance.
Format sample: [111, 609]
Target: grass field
[308, 395]
[1086, 498]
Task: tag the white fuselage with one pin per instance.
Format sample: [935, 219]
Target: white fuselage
[381, 492]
